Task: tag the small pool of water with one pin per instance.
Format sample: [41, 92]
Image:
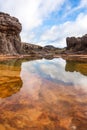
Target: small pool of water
[43, 95]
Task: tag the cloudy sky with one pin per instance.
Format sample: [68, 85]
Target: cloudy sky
[46, 22]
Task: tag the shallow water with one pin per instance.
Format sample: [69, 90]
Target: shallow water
[43, 95]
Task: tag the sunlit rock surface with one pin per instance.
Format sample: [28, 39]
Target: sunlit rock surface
[10, 29]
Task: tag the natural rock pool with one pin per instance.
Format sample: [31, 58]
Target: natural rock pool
[43, 95]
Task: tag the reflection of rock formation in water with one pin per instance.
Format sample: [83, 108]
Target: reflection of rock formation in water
[10, 81]
[10, 86]
[76, 66]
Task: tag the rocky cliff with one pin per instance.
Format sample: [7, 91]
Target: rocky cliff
[77, 44]
[10, 29]
[10, 41]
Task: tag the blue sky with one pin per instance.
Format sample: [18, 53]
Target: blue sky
[48, 22]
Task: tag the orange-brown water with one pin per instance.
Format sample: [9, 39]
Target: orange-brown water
[41, 95]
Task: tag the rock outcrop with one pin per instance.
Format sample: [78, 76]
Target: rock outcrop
[77, 44]
[49, 47]
[27, 48]
[10, 29]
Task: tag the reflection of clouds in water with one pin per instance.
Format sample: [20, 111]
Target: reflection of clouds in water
[31, 83]
[55, 70]
[58, 72]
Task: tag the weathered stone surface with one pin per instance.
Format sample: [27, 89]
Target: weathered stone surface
[84, 41]
[77, 44]
[10, 29]
[52, 50]
[49, 47]
[27, 48]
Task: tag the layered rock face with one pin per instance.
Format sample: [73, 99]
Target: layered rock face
[77, 44]
[10, 29]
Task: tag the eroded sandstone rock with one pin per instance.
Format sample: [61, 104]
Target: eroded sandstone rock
[77, 44]
[27, 48]
[10, 29]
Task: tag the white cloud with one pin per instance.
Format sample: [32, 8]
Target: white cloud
[83, 3]
[26, 11]
[28, 37]
[59, 33]
[31, 13]
[70, 10]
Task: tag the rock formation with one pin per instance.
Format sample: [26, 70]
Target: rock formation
[77, 44]
[49, 48]
[27, 48]
[10, 29]
[10, 41]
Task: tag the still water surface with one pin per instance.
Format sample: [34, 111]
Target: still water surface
[43, 95]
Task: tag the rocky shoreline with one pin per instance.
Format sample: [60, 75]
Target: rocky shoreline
[12, 47]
